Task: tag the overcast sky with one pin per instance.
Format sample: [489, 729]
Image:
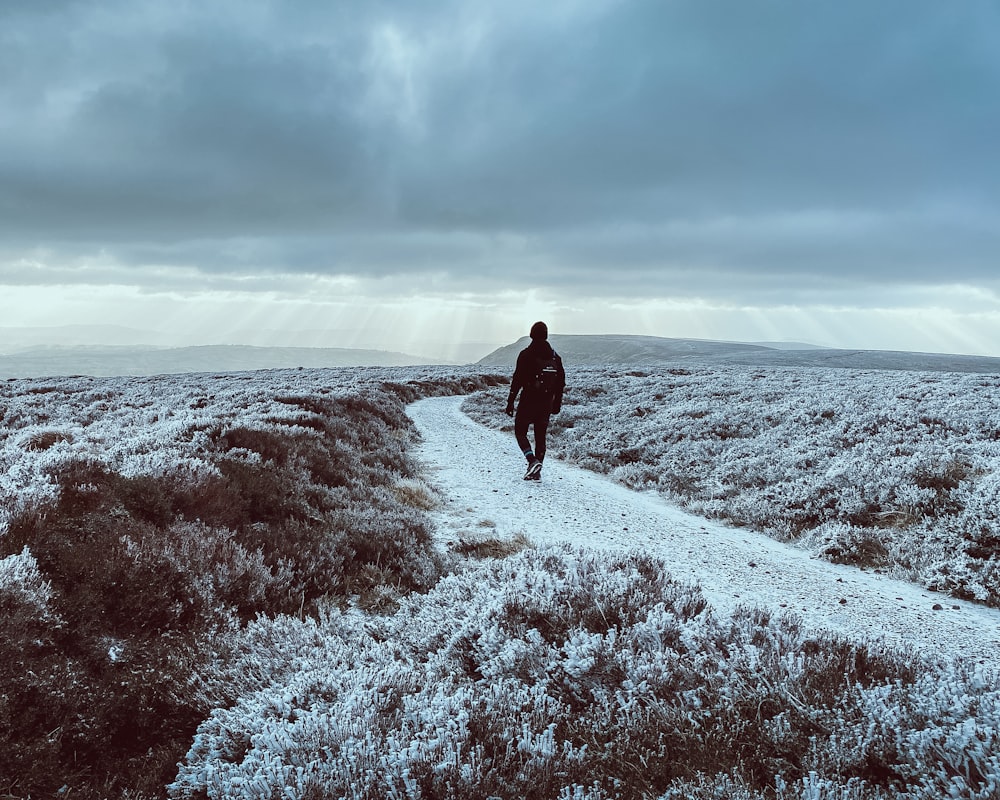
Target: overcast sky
[407, 174]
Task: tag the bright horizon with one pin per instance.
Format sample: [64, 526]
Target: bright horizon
[462, 350]
[431, 178]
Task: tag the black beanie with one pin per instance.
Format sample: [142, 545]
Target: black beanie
[540, 331]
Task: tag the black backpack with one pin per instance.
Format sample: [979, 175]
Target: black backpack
[547, 376]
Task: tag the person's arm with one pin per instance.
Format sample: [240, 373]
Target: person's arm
[557, 398]
[516, 382]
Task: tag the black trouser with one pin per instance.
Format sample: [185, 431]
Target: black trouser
[532, 414]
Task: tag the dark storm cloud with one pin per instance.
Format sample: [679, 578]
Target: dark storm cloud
[182, 127]
[679, 144]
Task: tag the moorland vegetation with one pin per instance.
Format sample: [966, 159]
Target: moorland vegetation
[146, 521]
[894, 471]
[227, 587]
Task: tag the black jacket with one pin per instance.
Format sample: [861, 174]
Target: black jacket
[528, 363]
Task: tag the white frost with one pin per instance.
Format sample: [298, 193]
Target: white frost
[478, 473]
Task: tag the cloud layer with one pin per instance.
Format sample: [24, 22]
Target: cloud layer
[765, 151]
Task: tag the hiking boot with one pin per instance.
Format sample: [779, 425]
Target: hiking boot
[534, 472]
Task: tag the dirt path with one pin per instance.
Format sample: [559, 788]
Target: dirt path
[478, 472]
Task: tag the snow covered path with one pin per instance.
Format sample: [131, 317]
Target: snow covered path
[478, 473]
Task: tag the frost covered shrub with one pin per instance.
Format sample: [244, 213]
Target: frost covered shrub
[893, 470]
[31, 671]
[143, 521]
[97, 545]
[559, 673]
[845, 544]
[440, 385]
[43, 440]
[110, 681]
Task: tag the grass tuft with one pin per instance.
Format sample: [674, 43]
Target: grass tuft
[478, 545]
[415, 494]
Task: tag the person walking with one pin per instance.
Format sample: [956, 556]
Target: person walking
[540, 378]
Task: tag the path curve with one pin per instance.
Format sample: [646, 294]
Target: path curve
[478, 474]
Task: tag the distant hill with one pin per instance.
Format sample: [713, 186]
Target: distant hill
[102, 361]
[790, 346]
[17, 339]
[597, 350]
[652, 351]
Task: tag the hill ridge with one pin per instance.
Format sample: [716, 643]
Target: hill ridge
[651, 351]
[137, 360]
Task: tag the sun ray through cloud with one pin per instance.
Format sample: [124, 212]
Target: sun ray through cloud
[684, 169]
